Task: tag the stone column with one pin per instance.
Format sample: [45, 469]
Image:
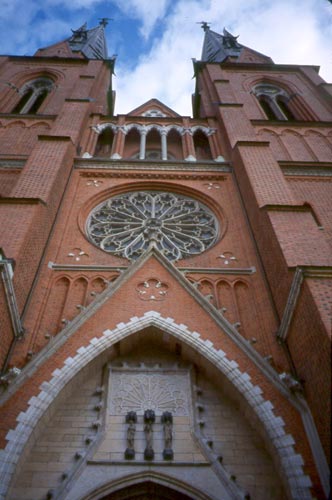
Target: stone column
[143, 133]
[163, 134]
[118, 143]
[188, 145]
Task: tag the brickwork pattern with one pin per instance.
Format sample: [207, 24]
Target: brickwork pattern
[318, 193]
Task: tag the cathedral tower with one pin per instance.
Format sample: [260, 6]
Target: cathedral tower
[166, 281]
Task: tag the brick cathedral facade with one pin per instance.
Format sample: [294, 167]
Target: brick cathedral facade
[166, 281]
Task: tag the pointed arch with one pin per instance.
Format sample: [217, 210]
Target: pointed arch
[281, 102]
[319, 144]
[296, 146]
[287, 460]
[182, 490]
[277, 146]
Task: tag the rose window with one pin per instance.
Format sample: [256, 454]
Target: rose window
[125, 225]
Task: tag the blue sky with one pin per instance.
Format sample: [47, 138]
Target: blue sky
[155, 40]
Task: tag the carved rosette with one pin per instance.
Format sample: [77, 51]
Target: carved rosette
[156, 391]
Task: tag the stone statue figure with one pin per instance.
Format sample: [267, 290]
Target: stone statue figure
[149, 418]
[131, 434]
[131, 419]
[148, 434]
[168, 434]
[167, 421]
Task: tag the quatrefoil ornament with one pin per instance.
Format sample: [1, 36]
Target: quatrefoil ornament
[152, 289]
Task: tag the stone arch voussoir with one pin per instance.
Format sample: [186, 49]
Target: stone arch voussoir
[289, 462]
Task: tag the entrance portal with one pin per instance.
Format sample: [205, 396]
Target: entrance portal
[148, 490]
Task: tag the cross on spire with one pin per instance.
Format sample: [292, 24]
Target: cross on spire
[103, 21]
[205, 25]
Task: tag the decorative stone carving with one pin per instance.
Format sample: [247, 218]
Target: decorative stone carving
[227, 257]
[211, 185]
[149, 418]
[167, 421]
[131, 419]
[77, 254]
[154, 113]
[126, 224]
[94, 182]
[152, 289]
[135, 391]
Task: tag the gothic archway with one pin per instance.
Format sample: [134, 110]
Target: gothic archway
[147, 490]
[241, 382]
[147, 486]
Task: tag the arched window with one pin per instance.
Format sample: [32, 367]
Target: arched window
[274, 101]
[33, 95]
[202, 146]
[104, 144]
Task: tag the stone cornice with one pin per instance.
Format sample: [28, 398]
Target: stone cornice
[33, 117]
[262, 67]
[12, 164]
[186, 270]
[44, 137]
[141, 165]
[22, 201]
[306, 169]
[58, 61]
[290, 124]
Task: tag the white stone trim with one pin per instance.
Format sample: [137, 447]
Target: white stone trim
[289, 462]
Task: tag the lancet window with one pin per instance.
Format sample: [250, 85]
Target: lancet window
[275, 102]
[33, 95]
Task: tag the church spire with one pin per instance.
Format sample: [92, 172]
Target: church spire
[91, 43]
[216, 47]
[219, 48]
[84, 42]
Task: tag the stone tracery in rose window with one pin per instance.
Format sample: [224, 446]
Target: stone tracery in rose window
[126, 224]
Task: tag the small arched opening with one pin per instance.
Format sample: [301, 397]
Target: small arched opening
[153, 143]
[174, 144]
[132, 143]
[105, 143]
[202, 146]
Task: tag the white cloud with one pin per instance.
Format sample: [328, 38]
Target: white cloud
[287, 31]
[146, 11]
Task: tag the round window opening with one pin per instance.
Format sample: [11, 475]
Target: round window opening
[125, 225]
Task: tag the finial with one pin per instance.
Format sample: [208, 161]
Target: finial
[104, 21]
[204, 25]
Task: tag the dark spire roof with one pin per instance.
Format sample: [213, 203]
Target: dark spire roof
[91, 43]
[216, 47]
